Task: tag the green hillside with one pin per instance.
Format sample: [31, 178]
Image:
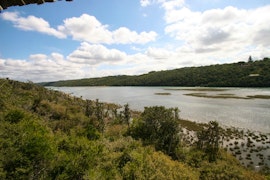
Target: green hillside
[242, 74]
[47, 134]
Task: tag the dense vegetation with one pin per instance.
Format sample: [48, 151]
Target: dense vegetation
[46, 134]
[242, 74]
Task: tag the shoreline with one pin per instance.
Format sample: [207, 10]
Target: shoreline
[250, 147]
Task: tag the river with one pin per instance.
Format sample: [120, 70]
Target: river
[253, 114]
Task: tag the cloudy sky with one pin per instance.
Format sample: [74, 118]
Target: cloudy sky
[90, 38]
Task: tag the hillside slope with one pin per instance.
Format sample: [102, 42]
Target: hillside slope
[249, 74]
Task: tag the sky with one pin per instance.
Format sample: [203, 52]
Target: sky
[89, 38]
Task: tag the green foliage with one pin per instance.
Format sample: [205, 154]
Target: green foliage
[27, 149]
[91, 132]
[220, 171]
[14, 116]
[195, 158]
[141, 164]
[208, 140]
[225, 75]
[127, 114]
[76, 155]
[89, 108]
[158, 127]
[47, 134]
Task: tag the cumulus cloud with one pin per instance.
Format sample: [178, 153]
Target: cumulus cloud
[32, 23]
[84, 28]
[221, 30]
[40, 67]
[93, 54]
[145, 3]
[159, 53]
[172, 4]
[89, 60]
[88, 28]
[125, 36]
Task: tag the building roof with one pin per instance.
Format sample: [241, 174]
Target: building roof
[4, 4]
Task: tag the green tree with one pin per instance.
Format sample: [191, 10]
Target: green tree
[99, 108]
[159, 127]
[127, 114]
[250, 59]
[208, 140]
[89, 108]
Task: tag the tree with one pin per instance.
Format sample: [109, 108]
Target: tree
[158, 127]
[250, 59]
[100, 115]
[88, 108]
[127, 114]
[208, 140]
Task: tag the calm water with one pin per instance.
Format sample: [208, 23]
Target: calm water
[253, 114]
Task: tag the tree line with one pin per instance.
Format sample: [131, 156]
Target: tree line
[241, 74]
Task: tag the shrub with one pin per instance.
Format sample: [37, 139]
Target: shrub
[14, 116]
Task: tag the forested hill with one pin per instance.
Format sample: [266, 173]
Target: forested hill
[241, 74]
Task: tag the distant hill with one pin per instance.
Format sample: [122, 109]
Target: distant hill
[241, 74]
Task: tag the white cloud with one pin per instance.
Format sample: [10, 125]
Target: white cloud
[224, 31]
[32, 23]
[37, 57]
[95, 54]
[159, 53]
[125, 36]
[172, 4]
[40, 67]
[87, 61]
[88, 28]
[84, 28]
[145, 3]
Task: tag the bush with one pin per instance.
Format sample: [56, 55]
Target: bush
[158, 127]
[14, 116]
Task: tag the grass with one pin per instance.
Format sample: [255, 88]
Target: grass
[191, 126]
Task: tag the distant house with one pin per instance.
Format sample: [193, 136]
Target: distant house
[254, 75]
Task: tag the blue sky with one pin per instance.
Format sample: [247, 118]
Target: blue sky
[87, 38]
